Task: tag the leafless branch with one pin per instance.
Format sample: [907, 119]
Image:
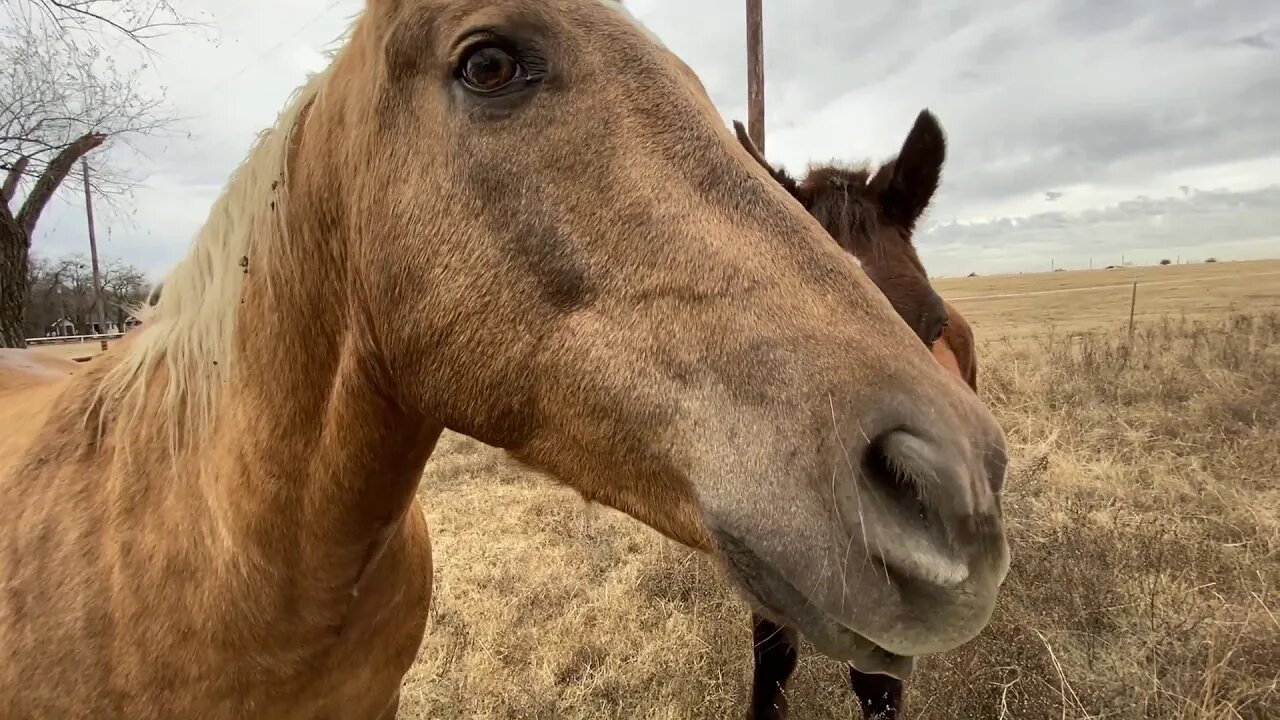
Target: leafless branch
[63, 94]
[12, 176]
[138, 21]
[9, 226]
[58, 95]
[52, 178]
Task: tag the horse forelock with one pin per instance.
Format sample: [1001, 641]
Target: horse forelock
[841, 199]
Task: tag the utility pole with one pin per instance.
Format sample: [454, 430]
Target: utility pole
[93, 255]
[755, 73]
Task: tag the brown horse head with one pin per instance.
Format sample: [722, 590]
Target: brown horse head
[956, 349]
[873, 216]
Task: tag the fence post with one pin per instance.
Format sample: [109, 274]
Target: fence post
[1133, 304]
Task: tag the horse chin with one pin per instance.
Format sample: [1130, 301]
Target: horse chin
[768, 592]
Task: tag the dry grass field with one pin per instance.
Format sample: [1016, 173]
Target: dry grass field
[71, 350]
[1144, 516]
[1019, 305]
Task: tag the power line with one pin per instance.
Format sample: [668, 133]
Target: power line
[260, 56]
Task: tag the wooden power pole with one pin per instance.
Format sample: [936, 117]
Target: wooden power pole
[755, 73]
[93, 256]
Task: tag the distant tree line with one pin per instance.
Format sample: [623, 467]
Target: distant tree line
[61, 289]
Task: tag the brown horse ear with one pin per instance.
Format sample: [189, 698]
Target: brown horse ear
[907, 183]
[780, 176]
[745, 138]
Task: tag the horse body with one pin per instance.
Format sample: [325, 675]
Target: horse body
[523, 222]
[275, 565]
[20, 368]
[229, 588]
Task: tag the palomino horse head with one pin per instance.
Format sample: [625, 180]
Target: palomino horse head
[526, 222]
[553, 245]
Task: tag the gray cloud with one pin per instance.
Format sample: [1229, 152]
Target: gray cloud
[1199, 224]
[1261, 41]
[1085, 109]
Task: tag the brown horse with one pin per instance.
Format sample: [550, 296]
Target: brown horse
[524, 222]
[873, 217]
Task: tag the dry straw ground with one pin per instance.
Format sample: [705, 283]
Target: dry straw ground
[1144, 517]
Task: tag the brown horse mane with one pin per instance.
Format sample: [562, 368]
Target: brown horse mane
[855, 202]
[857, 209]
[851, 214]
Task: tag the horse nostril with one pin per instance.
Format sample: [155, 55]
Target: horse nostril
[883, 466]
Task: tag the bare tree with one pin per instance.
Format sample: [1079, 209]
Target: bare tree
[62, 288]
[61, 98]
[137, 20]
[124, 288]
[41, 302]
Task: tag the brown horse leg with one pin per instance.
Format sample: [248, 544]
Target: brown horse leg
[775, 659]
[879, 695]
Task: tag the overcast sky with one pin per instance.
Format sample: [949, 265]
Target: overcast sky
[1077, 129]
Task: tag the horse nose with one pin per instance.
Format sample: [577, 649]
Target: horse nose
[933, 319]
[933, 475]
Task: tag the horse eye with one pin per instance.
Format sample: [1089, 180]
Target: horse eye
[489, 68]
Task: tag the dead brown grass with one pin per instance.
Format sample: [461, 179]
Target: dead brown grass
[1144, 511]
[1022, 305]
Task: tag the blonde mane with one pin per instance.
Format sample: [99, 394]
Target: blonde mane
[190, 332]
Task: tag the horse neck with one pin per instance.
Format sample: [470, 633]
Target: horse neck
[309, 441]
[309, 438]
[958, 336]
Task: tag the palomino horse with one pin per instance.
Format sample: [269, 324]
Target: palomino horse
[873, 217]
[19, 368]
[520, 221]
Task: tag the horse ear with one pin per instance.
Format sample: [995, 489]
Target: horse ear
[780, 176]
[915, 174]
[745, 139]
